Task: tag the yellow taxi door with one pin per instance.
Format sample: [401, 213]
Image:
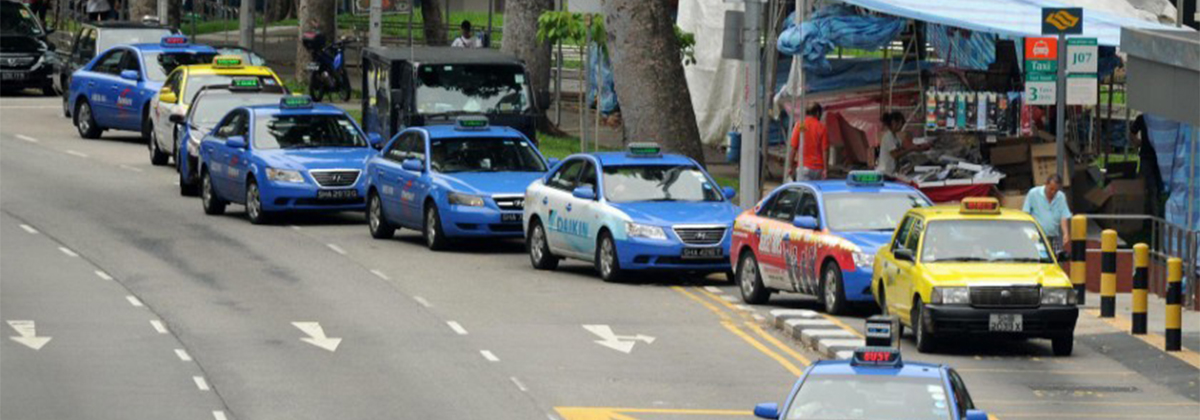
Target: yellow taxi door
[907, 272]
[891, 267]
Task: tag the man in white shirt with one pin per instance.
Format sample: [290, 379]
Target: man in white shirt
[895, 143]
[467, 40]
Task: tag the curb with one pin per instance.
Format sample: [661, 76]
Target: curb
[815, 331]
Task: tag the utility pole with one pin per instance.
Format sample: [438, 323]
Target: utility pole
[375, 36]
[751, 148]
[246, 25]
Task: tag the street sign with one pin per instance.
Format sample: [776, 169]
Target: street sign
[1041, 48]
[1041, 66]
[1040, 89]
[1082, 55]
[1081, 89]
[1062, 20]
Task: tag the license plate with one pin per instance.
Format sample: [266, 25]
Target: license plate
[313, 66]
[511, 217]
[337, 194]
[698, 253]
[1005, 323]
[12, 76]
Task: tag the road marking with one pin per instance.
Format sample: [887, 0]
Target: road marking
[489, 356]
[1059, 415]
[713, 289]
[29, 229]
[743, 307]
[778, 344]
[457, 327]
[618, 413]
[729, 299]
[610, 339]
[1154, 339]
[183, 355]
[1088, 403]
[336, 249]
[294, 227]
[27, 334]
[68, 251]
[422, 301]
[759, 318]
[27, 138]
[200, 383]
[316, 336]
[787, 364]
[839, 323]
[518, 383]
[133, 300]
[710, 306]
[219, 415]
[103, 276]
[130, 168]
[158, 326]
[723, 300]
[380, 274]
[75, 153]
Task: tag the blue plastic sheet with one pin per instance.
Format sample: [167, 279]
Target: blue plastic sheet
[600, 77]
[1173, 144]
[836, 26]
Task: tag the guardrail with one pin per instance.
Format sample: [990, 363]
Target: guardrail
[1167, 240]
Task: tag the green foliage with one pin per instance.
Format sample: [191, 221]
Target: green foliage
[687, 45]
[572, 29]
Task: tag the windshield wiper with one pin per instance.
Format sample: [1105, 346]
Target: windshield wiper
[960, 259]
[1021, 259]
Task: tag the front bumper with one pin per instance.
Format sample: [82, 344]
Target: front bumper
[468, 221]
[655, 254]
[858, 285]
[1040, 322]
[36, 77]
[279, 196]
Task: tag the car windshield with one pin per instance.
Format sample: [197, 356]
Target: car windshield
[484, 154]
[160, 63]
[17, 20]
[110, 37]
[210, 108]
[194, 83]
[861, 211]
[874, 397]
[1007, 241]
[658, 183]
[282, 131]
[471, 88]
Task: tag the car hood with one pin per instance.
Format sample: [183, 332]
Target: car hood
[489, 183]
[318, 158]
[22, 44]
[996, 273]
[667, 213]
[868, 241]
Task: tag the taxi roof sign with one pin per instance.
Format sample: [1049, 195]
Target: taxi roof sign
[174, 41]
[245, 84]
[876, 357]
[865, 178]
[227, 62]
[980, 205]
[296, 102]
[471, 122]
[644, 149]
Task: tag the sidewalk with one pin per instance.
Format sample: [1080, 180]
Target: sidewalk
[1155, 320]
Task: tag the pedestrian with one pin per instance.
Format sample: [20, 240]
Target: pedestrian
[895, 143]
[1048, 205]
[467, 40]
[98, 10]
[816, 145]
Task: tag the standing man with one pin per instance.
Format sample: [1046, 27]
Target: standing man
[1048, 205]
[467, 40]
[816, 145]
[97, 10]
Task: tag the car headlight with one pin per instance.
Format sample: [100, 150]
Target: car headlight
[639, 230]
[863, 259]
[1058, 296]
[284, 175]
[951, 296]
[466, 199]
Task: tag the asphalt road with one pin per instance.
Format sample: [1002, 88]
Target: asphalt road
[313, 319]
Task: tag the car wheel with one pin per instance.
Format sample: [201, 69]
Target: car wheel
[833, 291]
[254, 207]
[85, 122]
[607, 261]
[924, 338]
[379, 226]
[435, 237]
[1064, 344]
[539, 248]
[750, 280]
[208, 196]
[186, 189]
[157, 156]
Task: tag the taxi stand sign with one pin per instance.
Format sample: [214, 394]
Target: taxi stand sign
[174, 41]
[881, 331]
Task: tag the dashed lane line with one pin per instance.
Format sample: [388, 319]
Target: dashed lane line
[29, 229]
[183, 355]
[76, 153]
[158, 326]
[27, 138]
[489, 356]
[103, 276]
[219, 415]
[130, 168]
[336, 249]
[68, 251]
[518, 383]
[424, 302]
[201, 384]
[458, 328]
[713, 289]
[294, 227]
[380, 274]
[133, 300]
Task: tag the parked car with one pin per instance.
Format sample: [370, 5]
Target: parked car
[27, 59]
[96, 37]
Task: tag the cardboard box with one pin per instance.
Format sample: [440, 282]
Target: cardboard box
[1012, 199]
[1125, 196]
[1008, 155]
[1044, 161]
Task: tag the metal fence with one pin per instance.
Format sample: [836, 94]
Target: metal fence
[1167, 240]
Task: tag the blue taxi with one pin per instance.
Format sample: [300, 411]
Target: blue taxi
[294, 156]
[113, 91]
[876, 384]
[635, 210]
[452, 181]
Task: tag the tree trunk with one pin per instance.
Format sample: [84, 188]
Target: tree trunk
[648, 74]
[520, 39]
[435, 26]
[281, 9]
[314, 16]
[246, 24]
[141, 8]
[175, 14]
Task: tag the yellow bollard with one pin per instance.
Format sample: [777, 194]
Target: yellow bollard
[1079, 257]
[1108, 273]
[1141, 281]
[1174, 309]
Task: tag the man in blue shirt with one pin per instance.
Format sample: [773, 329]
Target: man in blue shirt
[1048, 205]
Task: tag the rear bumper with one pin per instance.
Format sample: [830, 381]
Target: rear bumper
[466, 221]
[1042, 322]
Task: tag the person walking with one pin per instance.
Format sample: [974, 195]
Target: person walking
[1048, 205]
[816, 145]
[467, 39]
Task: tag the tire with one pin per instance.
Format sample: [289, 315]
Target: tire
[608, 263]
[315, 88]
[924, 338]
[157, 156]
[435, 236]
[213, 205]
[254, 207]
[186, 189]
[48, 90]
[85, 121]
[1064, 344]
[749, 280]
[833, 290]
[66, 106]
[539, 248]
[376, 222]
[344, 81]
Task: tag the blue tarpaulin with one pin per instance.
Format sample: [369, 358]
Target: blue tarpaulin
[836, 26]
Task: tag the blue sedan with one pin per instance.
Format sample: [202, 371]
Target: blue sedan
[113, 91]
[294, 156]
[452, 181]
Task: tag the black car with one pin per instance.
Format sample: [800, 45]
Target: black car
[96, 37]
[27, 59]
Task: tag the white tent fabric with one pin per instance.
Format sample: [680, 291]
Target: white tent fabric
[714, 83]
[1161, 11]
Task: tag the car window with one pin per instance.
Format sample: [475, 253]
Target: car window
[131, 63]
[848, 211]
[172, 82]
[415, 148]
[567, 175]
[233, 124]
[808, 205]
[784, 207]
[587, 176]
[914, 235]
[902, 234]
[396, 152]
[110, 62]
[875, 397]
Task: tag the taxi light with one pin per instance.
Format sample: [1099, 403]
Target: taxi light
[296, 102]
[980, 205]
[876, 357]
[174, 41]
[473, 122]
[865, 178]
[645, 149]
[227, 62]
[243, 84]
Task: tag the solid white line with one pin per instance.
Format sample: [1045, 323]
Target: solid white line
[74, 153]
[130, 168]
[336, 249]
[200, 383]
[29, 229]
[27, 138]
[380, 274]
[518, 383]
[183, 355]
[103, 276]
[68, 251]
[713, 289]
[158, 326]
[489, 356]
[457, 327]
[133, 300]
[422, 301]
[219, 415]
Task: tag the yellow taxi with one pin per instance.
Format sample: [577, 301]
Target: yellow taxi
[974, 269]
[180, 89]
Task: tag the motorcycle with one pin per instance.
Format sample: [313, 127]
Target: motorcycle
[327, 70]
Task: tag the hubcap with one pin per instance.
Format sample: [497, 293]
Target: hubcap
[374, 214]
[206, 192]
[85, 117]
[606, 257]
[749, 272]
[538, 238]
[830, 291]
[252, 205]
[430, 230]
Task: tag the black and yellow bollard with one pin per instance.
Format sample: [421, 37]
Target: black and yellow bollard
[1141, 281]
[1108, 273]
[1079, 257]
[1174, 299]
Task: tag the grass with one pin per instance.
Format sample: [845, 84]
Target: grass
[560, 147]
[211, 26]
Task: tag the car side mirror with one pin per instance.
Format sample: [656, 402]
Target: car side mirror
[805, 222]
[236, 142]
[552, 162]
[767, 411]
[376, 140]
[729, 192]
[176, 118]
[976, 415]
[167, 96]
[414, 165]
[586, 193]
[129, 75]
[904, 254]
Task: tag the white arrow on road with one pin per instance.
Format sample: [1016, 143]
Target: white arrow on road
[27, 334]
[316, 336]
[621, 343]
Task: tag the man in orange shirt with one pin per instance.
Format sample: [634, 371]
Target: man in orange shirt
[816, 145]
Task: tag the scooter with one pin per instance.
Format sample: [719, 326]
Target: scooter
[327, 70]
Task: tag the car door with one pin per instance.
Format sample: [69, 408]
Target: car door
[101, 88]
[556, 198]
[238, 160]
[387, 179]
[164, 129]
[802, 246]
[586, 211]
[413, 185]
[895, 270]
[217, 155]
[129, 93]
[777, 223]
